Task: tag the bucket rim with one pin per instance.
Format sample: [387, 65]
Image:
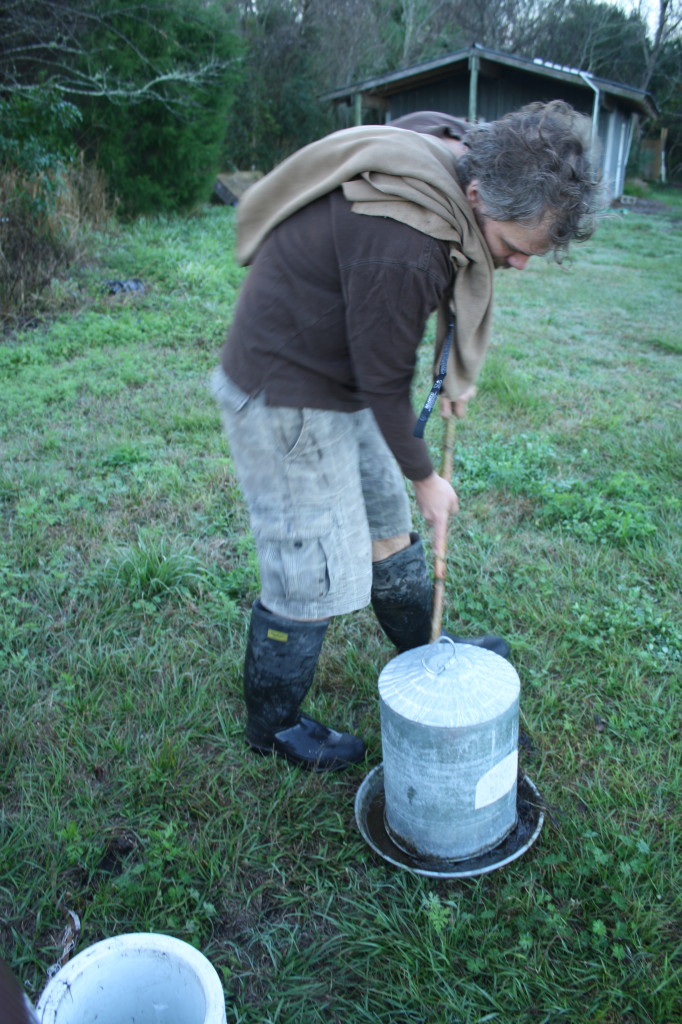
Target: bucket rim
[131, 944]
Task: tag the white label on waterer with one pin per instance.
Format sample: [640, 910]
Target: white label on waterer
[497, 781]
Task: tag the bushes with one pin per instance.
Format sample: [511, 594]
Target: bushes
[159, 139]
[43, 230]
[48, 198]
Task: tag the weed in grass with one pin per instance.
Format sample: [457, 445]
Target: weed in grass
[616, 511]
[505, 463]
[124, 454]
[153, 568]
[655, 641]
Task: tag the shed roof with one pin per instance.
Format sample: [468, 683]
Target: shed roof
[632, 99]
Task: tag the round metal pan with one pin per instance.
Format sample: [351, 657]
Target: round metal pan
[369, 815]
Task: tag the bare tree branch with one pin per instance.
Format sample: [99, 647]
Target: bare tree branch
[53, 41]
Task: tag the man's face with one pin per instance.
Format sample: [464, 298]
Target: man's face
[511, 244]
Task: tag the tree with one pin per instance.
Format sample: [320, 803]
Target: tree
[668, 24]
[82, 49]
[663, 76]
[159, 135]
[493, 23]
[153, 82]
[592, 36]
[277, 105]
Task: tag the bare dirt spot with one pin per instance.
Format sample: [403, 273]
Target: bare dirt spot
[638, 205]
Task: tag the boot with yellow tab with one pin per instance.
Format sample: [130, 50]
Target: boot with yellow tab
[280, 662]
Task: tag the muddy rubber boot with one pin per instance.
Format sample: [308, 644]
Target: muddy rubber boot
[279, 666]
[402, 599]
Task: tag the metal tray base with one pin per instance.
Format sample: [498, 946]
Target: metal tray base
[369, 815]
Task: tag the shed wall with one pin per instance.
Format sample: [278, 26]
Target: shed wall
[497, 95]
[513, 89]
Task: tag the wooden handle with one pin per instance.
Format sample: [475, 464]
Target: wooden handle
[439, 554]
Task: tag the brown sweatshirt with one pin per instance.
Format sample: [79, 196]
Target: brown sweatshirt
[331, 316]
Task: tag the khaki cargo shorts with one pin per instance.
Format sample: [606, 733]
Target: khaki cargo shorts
[320, 487]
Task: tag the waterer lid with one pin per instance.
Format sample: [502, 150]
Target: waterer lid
[449, 685]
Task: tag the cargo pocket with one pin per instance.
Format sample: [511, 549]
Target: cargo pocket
[293, 552]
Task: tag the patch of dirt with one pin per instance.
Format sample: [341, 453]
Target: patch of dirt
[637, 205]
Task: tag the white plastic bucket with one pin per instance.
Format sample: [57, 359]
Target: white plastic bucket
[141, 978]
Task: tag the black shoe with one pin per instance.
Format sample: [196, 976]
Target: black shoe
[312, 745]
[493, 643]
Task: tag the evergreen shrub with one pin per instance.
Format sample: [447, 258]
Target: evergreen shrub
[159, 144]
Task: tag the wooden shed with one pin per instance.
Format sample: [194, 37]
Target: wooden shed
[482, 85]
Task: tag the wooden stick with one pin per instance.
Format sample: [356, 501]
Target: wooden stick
[439, 555]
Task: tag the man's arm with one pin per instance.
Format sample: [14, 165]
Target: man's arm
[393, 278]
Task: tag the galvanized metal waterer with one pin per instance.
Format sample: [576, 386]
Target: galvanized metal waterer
[448, 801]
[449, 729]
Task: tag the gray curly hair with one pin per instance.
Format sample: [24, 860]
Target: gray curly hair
[536, 165]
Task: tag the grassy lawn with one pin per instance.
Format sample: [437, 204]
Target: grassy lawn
[126, 578]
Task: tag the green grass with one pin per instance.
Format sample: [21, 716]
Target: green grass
[126, 577]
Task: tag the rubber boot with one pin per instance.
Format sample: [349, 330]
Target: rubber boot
[402, 599]
[281, 657]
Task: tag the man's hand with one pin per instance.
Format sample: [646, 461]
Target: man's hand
[437, 502]
[458, 408]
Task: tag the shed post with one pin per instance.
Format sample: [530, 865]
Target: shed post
[357, 108]
[474, 62]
